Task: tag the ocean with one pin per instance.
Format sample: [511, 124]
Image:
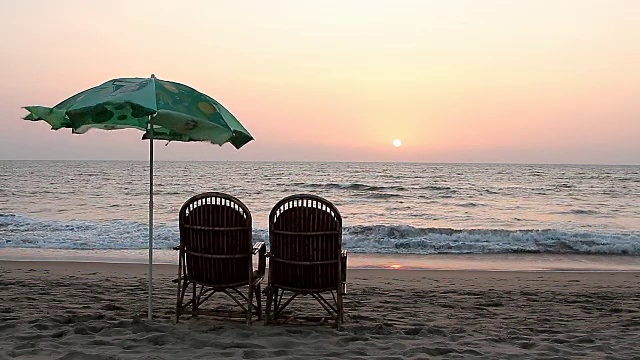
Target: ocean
[399, 211]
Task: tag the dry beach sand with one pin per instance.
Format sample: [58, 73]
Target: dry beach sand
[69, 310]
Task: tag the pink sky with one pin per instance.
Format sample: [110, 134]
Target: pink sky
[456, 81]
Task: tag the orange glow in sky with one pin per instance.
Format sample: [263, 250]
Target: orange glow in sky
[456, 81]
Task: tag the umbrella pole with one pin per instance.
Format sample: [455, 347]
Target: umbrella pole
[150, 216]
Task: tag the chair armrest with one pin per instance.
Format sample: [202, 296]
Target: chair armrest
[343, 264]
[261, 250]
[257, 247]
[343, 267]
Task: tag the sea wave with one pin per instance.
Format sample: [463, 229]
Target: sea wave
[436, 188]
[583, 212]
[18, 231]
[412, 240]
[349, 186]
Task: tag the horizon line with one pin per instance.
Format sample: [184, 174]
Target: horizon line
[339, 161]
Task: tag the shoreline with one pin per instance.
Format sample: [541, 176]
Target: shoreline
[66, 266]
[522, 262]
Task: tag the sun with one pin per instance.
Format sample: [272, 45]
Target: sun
[397, 143]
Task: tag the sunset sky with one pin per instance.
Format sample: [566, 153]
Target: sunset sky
[456, 81]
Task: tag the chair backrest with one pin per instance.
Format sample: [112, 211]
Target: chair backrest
[305, 233]
[216, 237]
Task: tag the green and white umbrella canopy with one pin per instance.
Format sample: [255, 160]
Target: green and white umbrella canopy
[164, 110]
[179, 112]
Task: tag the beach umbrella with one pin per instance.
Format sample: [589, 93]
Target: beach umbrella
[164, 110]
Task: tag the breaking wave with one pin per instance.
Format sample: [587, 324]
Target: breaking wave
[17, 231]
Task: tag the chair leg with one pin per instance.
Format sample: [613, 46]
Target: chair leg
[182, 291]
[250, 304]
[275, 303]
[179, 300]
[178, 306]
[269, 303]
[259, 302]
[194, 301]
[340, 308]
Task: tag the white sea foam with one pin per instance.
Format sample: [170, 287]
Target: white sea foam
[411, 240]
[17, 231]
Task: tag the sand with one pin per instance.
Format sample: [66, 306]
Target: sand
[65, 310]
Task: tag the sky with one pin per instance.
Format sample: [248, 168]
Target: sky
[530, 81]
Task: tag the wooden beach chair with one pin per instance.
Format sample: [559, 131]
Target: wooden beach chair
[216, 255]
[306, 256]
